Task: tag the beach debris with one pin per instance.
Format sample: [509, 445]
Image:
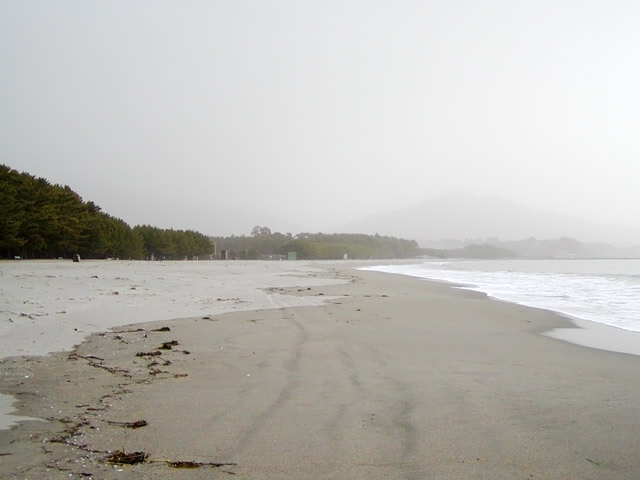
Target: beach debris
[122, 458]
[136, 424]
[168, 345]
[161, 329]
[149, 354]
[231, 299]
[71, 431]
[97, 363]
[75, 356]
[180, 375]
[186, 352]
[184, 464]
[188, 464]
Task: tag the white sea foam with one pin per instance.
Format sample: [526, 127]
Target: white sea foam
[603, 291]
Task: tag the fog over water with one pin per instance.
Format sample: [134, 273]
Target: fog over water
[305, 116]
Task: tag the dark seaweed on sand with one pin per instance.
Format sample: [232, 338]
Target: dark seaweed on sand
[148, 354]
[168, 345]
[121, 458]
[184, 464]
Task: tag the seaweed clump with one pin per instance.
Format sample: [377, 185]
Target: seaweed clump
[122, 458]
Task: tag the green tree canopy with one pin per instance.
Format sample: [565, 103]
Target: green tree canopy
[316, 246]
[40, 220]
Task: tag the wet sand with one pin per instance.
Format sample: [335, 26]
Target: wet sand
[397, 378]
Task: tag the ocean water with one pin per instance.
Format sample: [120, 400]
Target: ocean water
[602, 291]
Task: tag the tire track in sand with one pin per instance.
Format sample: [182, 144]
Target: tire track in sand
[291, 372]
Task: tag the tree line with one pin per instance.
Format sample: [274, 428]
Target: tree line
[41, 220]
[315, 246]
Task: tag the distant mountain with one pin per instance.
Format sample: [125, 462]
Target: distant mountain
[467, 218]
[562, 247]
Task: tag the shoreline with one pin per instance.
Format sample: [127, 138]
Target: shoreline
[391, 377]
[580, 331]
[598, 336]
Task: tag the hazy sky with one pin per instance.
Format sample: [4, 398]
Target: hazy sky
[321, 112]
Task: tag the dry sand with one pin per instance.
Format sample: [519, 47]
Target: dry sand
[398, 378]
[51, 305]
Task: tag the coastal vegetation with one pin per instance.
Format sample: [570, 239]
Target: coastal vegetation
[315, 246]
[41, 220]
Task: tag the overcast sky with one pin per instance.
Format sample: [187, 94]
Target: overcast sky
[322, 112]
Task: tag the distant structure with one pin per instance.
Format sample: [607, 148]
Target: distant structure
[273, 256]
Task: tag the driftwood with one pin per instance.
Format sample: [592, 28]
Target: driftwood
[136, 424]
[198, 464]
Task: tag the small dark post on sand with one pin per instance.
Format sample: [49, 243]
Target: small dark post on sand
[76, 257]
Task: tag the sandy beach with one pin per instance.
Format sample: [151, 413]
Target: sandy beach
[381, 376]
